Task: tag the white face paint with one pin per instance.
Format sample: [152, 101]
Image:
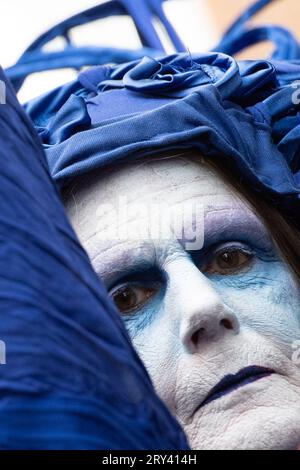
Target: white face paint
[197, 318]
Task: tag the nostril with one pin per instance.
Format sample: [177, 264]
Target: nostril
[196, 336]
[207, 327]
[226, 323]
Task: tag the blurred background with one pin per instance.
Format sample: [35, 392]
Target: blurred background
[200, 24]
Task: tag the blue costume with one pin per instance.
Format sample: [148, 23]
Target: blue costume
[67, 348]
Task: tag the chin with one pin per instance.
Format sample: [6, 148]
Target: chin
[256, 418]
[267, 433]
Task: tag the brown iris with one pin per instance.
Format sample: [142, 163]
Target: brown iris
[228, 261]
[129, 297]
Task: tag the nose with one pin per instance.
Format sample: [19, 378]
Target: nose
[202, 313]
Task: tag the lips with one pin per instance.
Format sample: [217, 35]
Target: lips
[233, 381]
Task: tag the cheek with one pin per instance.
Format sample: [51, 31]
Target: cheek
[159, 350]
[267, 301]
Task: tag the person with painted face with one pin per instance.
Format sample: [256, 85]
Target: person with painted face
[206, 148]
[216, 324]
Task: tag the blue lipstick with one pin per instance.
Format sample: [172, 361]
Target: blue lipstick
[233, 381]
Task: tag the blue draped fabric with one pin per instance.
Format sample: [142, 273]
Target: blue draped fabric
[247, 112]
[72, 379]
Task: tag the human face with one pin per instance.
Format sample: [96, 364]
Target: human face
[215, 326]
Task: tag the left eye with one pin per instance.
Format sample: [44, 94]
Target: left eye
[130, 297]
[229, 261]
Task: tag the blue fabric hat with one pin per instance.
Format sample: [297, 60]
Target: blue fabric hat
[244, 111]
[247, 112]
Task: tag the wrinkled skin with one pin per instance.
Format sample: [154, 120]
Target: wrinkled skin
[196, 322]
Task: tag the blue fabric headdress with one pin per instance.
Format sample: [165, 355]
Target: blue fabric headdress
[246, 111]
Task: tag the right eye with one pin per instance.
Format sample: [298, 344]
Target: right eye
[229, 260]
[130, 297]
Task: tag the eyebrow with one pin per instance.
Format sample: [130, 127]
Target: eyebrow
[125, 262]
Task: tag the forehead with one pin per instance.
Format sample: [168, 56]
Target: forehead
[161, 182]
[171, 180]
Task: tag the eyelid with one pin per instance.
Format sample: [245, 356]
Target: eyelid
[264, 254]
[147, 276]
[232, 245]
[142, 284]
[120, 286]
[227, 246]
[130, 313]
